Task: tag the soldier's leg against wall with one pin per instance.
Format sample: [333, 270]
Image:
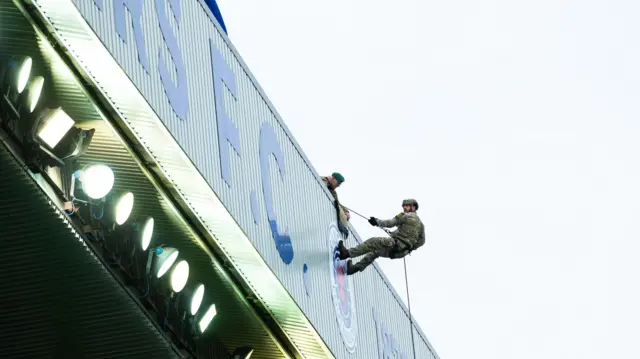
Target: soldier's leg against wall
[366, 261]
[372, 245]
[383, 251]
[343, 218]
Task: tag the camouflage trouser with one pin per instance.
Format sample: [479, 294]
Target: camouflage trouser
[372, 248]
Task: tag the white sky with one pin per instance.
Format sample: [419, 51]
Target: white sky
[514, 123]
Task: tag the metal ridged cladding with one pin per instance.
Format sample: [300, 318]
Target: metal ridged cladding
[145, 127]
[219, 212]
[58, 300]
[235, 323]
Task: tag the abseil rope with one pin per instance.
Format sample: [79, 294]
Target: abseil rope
[406, 280]
[357, 214]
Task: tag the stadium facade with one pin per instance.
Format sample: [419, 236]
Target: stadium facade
[182, 124]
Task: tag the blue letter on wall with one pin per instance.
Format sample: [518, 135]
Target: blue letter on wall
[178, 95]
[135, 9]
[227, 131]
[387, 346]
[269, 145]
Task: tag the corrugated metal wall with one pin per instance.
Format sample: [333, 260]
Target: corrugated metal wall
[58, 300]
[302, 204]
[235, 324]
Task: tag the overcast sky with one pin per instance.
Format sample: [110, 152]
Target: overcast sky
[514, 123]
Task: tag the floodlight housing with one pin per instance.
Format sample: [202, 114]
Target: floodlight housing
[15, 74]
[139, 232]
[191, 299]
[116, 208]
[74, 143]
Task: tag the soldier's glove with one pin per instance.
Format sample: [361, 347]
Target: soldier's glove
[373, 221]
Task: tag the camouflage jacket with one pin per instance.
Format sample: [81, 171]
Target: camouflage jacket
[410, 229]
[333, 193]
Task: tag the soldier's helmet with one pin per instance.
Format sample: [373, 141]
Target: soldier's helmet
[410, 202]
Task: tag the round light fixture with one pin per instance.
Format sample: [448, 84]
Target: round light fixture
[166, 258]
[97, 181]
[196, 299]
[179, 276]
[35, 89]
[23, 74]
[124, 208]
[147, 233]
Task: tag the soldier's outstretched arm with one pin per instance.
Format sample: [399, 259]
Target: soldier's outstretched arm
[393, 222]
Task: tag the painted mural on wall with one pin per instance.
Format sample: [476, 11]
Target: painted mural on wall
[342, 292]
[388, 346]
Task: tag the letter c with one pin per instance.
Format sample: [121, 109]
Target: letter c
[268, 146]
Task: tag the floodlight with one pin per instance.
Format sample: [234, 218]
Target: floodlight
[35, 89]
[123, 209]
[160, 260]
[139, 232]
[179, 276]
[191, 299]
[97, 180]
[56, 124]
[207, 318]
[23, 74]
[242, 353]
[196, 299]
[147, 233]
[115, 210]
[132, 237]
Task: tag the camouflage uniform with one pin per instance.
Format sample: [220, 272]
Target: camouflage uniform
[342, 212]
[408, 237]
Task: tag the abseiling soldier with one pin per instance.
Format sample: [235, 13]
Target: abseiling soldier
[408, 237]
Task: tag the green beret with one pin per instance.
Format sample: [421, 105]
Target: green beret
[337, 176]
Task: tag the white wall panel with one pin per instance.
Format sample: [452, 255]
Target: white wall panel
[301, 203]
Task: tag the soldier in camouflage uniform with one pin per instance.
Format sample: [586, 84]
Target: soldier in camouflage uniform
[333, 182]
[408, 237]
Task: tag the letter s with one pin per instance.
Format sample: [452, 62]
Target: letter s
[178, 94]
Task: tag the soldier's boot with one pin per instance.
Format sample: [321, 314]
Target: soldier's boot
[352, 268]
[343, 252]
